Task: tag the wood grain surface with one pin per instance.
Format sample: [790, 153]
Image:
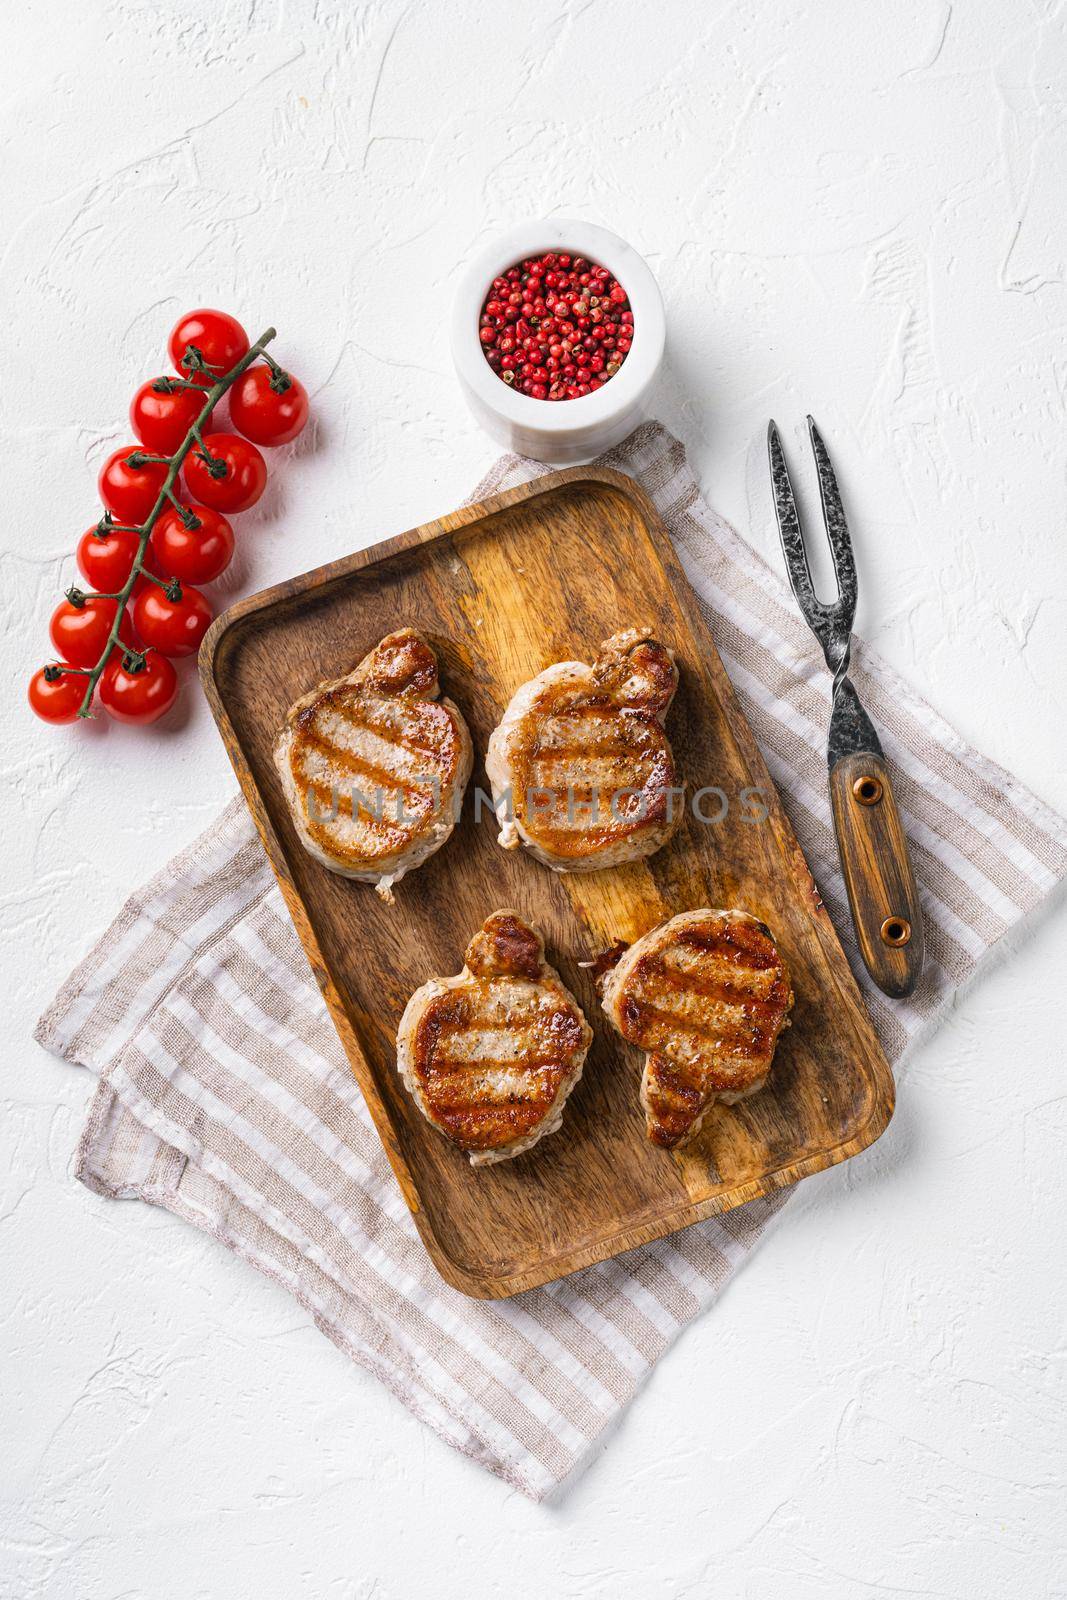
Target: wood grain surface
[538, 574]
[878, 874]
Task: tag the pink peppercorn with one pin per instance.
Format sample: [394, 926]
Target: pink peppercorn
[556, 327]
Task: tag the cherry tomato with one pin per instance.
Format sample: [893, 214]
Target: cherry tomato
[79, 633]
[130, 492]
[242, 482]
[56, 700]
[137, 692]
[219, 337]
[195, 555]
[105, 559]
[262, 413]
[162, 420]
[174, 627]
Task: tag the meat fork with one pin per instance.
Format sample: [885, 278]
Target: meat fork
[878, 875]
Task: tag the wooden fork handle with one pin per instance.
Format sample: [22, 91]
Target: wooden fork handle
[878, 874]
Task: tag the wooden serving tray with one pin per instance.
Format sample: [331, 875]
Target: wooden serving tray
[542, 573]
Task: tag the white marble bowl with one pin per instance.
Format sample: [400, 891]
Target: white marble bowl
[563, 432]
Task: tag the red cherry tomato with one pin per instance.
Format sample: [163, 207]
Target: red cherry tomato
[128, 491]
[137, 692]
[220, 339]
[195, 555]
[162, 420]
[263, 413]
[239, 485]
[105, 558]
[174, 627]
[58, 699]
[79, 633]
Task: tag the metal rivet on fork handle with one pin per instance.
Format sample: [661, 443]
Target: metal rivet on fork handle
[867, 789]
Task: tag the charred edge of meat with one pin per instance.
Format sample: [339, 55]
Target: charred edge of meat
[505, 947]
[402, 664]
[605, 963]
[639, 671]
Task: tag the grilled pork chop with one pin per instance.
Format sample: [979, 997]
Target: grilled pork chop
[706, 995]
[581, 770]
[491, 1055]
[374, 765]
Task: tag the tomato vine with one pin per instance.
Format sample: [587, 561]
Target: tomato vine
[202, 380]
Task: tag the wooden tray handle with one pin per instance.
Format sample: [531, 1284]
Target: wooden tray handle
[878, 876]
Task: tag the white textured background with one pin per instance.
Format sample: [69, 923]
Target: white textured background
[853, 206]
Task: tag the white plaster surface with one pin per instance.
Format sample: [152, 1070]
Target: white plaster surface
[853, 206]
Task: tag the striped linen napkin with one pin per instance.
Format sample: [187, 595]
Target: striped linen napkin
[224, 1094]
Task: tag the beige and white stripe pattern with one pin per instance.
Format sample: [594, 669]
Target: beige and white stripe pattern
[224, 1094]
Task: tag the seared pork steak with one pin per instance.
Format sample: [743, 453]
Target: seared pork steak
[581, 770]
[705, 995]
[490, 1056]
[374, 764]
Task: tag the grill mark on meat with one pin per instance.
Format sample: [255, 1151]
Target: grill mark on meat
[477, 1024]
[373, 771]
[550, 1033]
[604, 767]
[638, 782]
[705, 996]
[498, 1087]
[324, 799]
[633, 803]
[373, 837]
[674, 1102]
[745, 943]
[586, 749]
[341, 771]
[637, 779]
[625, 732]
[493, 1053]
[736, 1040]
[592, 732]
[350, 715]
[716, 971]
[520, 1083]
[674, 1077]
[489, 1128]
[730, 990]
[406, 744]
[572, 727]
[338, 755]
[677, 1081]
[581, 838]
[462, 1069]
[723, 966]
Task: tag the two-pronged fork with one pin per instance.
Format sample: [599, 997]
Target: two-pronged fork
[870, 839]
